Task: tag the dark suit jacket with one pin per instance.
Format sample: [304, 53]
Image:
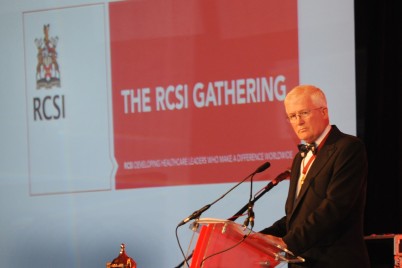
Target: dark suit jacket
[324, 224]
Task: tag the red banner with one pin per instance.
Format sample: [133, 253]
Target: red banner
[198, 89]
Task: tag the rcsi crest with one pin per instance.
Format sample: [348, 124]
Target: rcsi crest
[47, 69]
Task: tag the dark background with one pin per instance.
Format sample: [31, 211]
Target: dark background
[378, 32]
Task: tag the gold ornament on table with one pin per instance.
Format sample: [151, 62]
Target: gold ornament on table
[123, 260]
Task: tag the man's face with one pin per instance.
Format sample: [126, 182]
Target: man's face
[308, 121]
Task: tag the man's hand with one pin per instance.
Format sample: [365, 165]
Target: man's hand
[277, 240]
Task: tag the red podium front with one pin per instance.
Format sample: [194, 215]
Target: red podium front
[224, 243]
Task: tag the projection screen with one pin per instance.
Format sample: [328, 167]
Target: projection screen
[121, 118]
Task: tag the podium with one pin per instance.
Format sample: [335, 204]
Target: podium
[224, 243]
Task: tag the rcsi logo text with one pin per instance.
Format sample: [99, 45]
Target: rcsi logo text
[48, 107]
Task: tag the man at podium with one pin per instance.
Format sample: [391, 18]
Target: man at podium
[327, 191]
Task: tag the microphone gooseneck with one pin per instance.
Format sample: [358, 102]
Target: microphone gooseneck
[284, 175]
[196, 214]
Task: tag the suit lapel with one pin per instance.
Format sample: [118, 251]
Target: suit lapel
[295, 172]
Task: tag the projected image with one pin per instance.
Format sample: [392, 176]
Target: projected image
[121, 118]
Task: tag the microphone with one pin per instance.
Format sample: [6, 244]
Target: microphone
[262, 168]
[284, 175]
[196, 214]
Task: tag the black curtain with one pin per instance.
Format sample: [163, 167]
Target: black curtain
[378, 32]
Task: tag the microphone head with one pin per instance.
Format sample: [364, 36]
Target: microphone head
[263, 167]
[284, 175]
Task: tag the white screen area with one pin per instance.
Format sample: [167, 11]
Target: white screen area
[72, 223]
